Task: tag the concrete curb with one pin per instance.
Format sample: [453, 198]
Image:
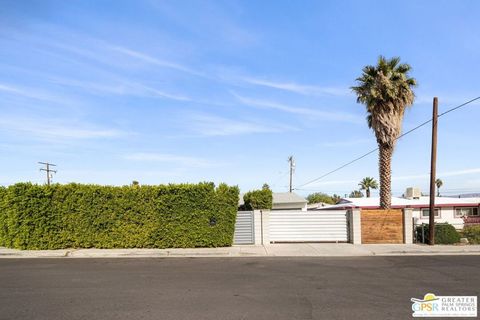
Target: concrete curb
[271, 250]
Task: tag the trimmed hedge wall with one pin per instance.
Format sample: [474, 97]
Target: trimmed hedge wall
[258, 199]
[92, 216]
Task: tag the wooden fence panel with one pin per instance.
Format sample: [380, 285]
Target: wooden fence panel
[382, 226]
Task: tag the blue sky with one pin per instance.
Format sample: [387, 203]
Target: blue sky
[225, 91]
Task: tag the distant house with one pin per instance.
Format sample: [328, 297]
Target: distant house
[284, 201]
[450, 210]
[318, 205]
[288, 201]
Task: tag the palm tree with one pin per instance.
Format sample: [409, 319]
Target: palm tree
[386, 91]
[367, 184]
[439, 184]
[336, 198]
[356, 194]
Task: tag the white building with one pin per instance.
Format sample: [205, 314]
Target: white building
[450, 210]
[288, 201]
[284, 201]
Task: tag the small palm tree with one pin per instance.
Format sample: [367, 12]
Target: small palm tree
[386, 91]
[439, 184]
[367, 184]
[336, 198]
[356, 194]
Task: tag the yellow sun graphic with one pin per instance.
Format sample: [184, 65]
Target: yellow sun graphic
[429, 297]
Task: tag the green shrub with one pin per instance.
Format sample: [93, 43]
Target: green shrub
[258, 199]
[472, 233]
[85, 216]
[444, 233]
[318, 197]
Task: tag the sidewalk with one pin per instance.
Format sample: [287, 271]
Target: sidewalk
[271, 250]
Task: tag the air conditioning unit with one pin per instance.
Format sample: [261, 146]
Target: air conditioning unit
[413, 193]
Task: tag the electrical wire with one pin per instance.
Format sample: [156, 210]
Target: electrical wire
[372, 151]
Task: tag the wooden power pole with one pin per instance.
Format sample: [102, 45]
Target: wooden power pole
[292, 168]
[431, 217]
[48, 170]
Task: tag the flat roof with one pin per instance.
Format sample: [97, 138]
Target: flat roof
[281, 198]
[397, 203]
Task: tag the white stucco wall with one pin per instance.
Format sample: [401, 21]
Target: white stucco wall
[447, 214]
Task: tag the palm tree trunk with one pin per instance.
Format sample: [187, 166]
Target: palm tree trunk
[385, 174]
[368, 192]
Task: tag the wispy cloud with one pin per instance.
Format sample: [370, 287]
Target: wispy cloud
[31, 93]
[399, 178]
[298, 88]
[333, 182]
[162, 157]
[324, 115]
[439, 174]
[119, 87]
[346, 143]
[155, 61]
[48, 129]
[207, 125]
[71, 45]
[447, 100]
[211, 21]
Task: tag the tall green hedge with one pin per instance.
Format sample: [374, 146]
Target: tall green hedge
[258, 199]
[92, 216]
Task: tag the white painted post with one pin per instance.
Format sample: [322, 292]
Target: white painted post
[257, 224]
[354, 216]
[261, 220]
[407, 226]
[265, 227]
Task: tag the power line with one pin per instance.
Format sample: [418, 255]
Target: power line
[281, 176]
[458, 107]
[372, 151]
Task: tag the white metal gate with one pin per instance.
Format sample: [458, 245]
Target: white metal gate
[244, 228]
[308, 226]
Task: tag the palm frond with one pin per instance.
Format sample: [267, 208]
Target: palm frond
[385, 90]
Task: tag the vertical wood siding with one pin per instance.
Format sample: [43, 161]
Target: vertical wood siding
[382, 226]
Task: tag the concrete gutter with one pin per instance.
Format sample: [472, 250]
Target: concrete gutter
[273, 250]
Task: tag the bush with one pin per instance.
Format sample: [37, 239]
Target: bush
[87, 216]
[318, 197]
[444, 233]
[258, 199]
[472, 233]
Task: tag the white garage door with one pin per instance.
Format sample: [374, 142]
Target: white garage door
[308, 226]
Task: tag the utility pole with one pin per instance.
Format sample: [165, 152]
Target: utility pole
[431, 217]
[48, 170]
[292, 170]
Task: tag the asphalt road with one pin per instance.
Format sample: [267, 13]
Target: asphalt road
[229, 288]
